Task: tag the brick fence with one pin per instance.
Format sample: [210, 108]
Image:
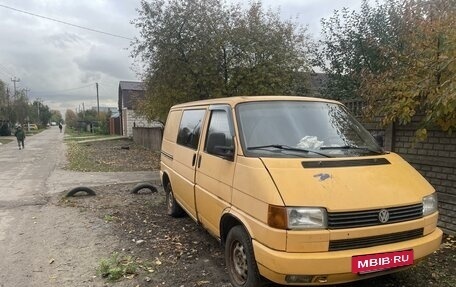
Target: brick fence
[434, 158]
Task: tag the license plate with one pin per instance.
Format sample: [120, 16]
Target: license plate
[381, 261]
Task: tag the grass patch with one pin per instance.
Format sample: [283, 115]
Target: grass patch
[73, 135]
[83, 157]
[78, 158]
[109, 218]
[5, 141]
[85, 138]
[71, 132]
[76, 135]
[110, 155]
[116, 266]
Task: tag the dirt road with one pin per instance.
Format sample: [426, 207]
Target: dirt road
[42, 244]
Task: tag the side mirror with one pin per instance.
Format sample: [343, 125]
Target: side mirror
[379, 139]
[216, 145]
[226, 152]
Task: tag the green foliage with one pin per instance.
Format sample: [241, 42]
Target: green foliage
[56, 116]
[202, 49]
[78, 121]
[116, 267]
[71, 119]
[400, 57]
[39, 113]
[352, 43]
[5, 129]
[3, 101]
[422, 80]
[18, 109]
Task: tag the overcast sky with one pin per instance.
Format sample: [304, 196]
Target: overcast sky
[60, 64]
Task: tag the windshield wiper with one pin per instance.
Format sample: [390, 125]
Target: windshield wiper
[286, 147]
[352, 147]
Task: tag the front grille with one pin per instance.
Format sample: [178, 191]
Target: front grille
[346, 244]
[352, 219]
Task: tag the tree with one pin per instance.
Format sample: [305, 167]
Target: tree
[71, 119]
[20, 108]
[56, 116]
[399, 57]
[422, 80]
[5, 126]
[201, 49]
[39, 113]
[88, 115]
[352, 43]
[3, 102]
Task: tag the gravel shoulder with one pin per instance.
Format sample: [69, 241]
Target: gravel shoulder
[177, 252]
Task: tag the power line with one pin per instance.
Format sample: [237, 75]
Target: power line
[66, 23]
[8, 75]
[113, 84]
[5, 70]
[62, 91]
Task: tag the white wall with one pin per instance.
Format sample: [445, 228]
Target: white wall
[130, 119]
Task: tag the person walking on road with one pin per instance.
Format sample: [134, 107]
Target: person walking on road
[60, 127]
[20, 136]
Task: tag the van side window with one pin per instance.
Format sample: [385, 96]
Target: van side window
[219, 131]
[190, 128]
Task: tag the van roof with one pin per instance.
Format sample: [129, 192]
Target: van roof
[232, 101]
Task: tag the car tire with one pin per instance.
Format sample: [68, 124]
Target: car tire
[240, 260]
[145, 185]
[75, 190]
[172, 207]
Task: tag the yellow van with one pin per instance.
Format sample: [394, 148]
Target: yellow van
[296, 190]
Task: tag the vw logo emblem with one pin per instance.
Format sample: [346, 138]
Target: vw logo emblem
[383, 216]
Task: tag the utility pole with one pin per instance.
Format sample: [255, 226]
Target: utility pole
[15, 80]
[38, 103]
[8, 104]
[7, 96]
[98, 103]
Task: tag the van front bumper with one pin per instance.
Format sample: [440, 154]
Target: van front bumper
[335, 266]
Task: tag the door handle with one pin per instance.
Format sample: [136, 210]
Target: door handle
[193, 159]
[199, 161]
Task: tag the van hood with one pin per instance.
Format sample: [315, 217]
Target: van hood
[345, 184]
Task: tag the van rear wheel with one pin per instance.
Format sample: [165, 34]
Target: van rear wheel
[172, 207]
[240, 260]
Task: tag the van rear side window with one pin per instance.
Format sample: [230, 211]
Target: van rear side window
[190, 128]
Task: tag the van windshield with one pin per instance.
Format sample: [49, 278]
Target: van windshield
[302, 129]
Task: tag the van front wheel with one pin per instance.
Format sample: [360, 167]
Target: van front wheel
[240, 260]
[172, 207]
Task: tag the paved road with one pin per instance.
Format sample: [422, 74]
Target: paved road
[42, 244]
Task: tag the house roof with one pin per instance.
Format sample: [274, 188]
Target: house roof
[132, 86]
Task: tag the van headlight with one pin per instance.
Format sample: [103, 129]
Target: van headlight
[297, 217]
[430, 204]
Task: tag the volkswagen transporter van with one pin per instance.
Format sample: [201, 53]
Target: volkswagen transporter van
[296, 190]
